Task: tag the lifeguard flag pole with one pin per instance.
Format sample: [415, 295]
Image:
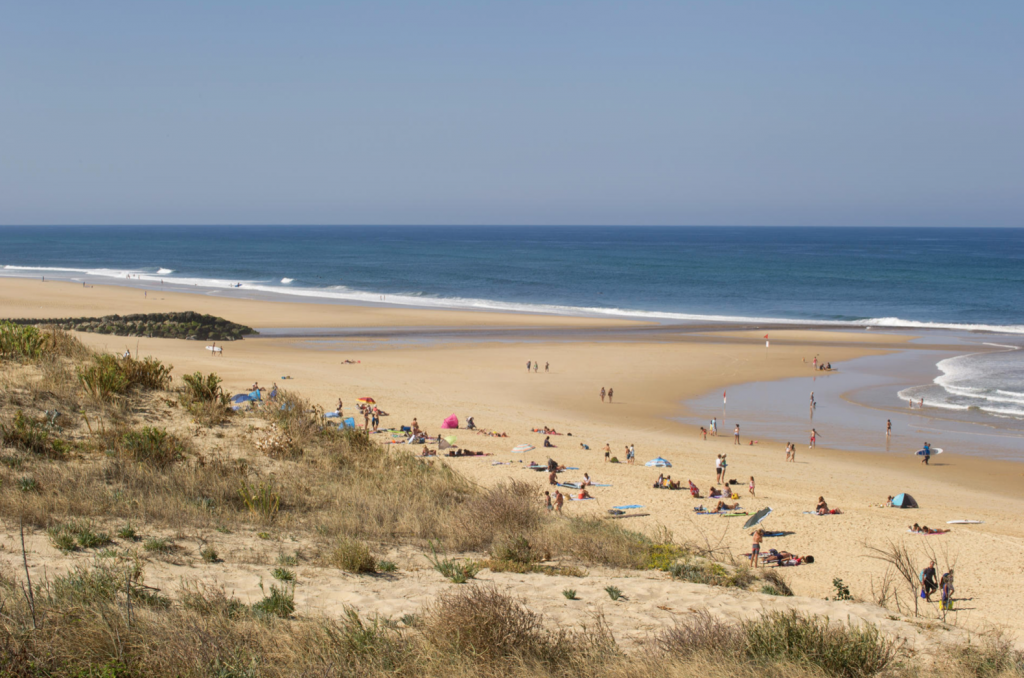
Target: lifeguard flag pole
[766, 347]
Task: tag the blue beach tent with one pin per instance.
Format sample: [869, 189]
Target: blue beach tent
[904, 500]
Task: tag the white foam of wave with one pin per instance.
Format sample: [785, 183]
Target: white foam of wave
[286, 281]
[342, 293]
[165, 271]
[982, 381]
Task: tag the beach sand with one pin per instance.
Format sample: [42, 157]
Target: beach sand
[651, 375]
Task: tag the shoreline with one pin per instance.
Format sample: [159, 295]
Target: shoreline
[316, 296]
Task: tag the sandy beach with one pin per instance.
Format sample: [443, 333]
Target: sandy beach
[486, 378]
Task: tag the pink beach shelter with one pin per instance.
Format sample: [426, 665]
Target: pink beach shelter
[451, 422]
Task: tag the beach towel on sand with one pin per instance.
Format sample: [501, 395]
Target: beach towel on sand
[578, 499]
[628, 506]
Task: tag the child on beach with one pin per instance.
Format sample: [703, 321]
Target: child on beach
[547, 501]
[751, 488]
[703, 433]
[755, 549]
[607, 452]
[814, 438]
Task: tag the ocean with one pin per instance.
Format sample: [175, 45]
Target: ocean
[960, 279]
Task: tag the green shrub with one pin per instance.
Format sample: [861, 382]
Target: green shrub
[203, 397]
[261, 500]
[65, 536]
[21, 342]
[282, 574]
[613, 592]
[453, 570]
[28, 484]
[280, 602]
[569, 593]
[127, 532]
[353, 556]
[150, 445]
[32, 436]
[787, 638]
[156, 545]
[110, 376]
[291, 561]
[661, 556]
[386, 566]
[209, 555]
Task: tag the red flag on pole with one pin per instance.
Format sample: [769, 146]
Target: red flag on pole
[766, 336]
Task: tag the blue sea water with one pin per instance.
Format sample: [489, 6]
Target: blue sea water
[950, 278]
[960, 278]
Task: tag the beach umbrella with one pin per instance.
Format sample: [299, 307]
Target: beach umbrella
[368, 401]
[659, 462]
[904, 500]
[241, 398]
[450, 439]
[756, 518]
[443, 445]
[525, 447]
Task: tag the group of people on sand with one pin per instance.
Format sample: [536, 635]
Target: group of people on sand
[610, 393]
[823, 366]
[536, 366]
[944, 586]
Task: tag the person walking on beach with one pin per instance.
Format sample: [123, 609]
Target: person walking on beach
[631, 455]
[751, 487]
[927, 454]
[888, 427]
[547, 366]
[736, 435]
[536, 366]
[528, 365]
[928, 585]
[559, 501]
[611, 392]
[714, 426]
[814, 438]
[602, 394]
[718, 469]
[547, 501]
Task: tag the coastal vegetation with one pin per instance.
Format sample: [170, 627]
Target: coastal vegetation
[131, 463]
[183, 325]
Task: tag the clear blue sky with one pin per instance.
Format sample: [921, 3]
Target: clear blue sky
[574, 112]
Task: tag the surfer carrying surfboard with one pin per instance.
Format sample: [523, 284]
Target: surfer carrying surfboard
[927, 453]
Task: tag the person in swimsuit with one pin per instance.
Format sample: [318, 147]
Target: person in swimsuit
[814, 438]
[888, 427]
[611, 392]
[602, 394]
[559, 501]
[751, 487]
[755, 549]
[928, 585]
[528, 365]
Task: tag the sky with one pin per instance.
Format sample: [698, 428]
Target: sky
[552, 112]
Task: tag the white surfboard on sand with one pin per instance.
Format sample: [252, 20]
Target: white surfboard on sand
[215, 349]
[964, 522]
